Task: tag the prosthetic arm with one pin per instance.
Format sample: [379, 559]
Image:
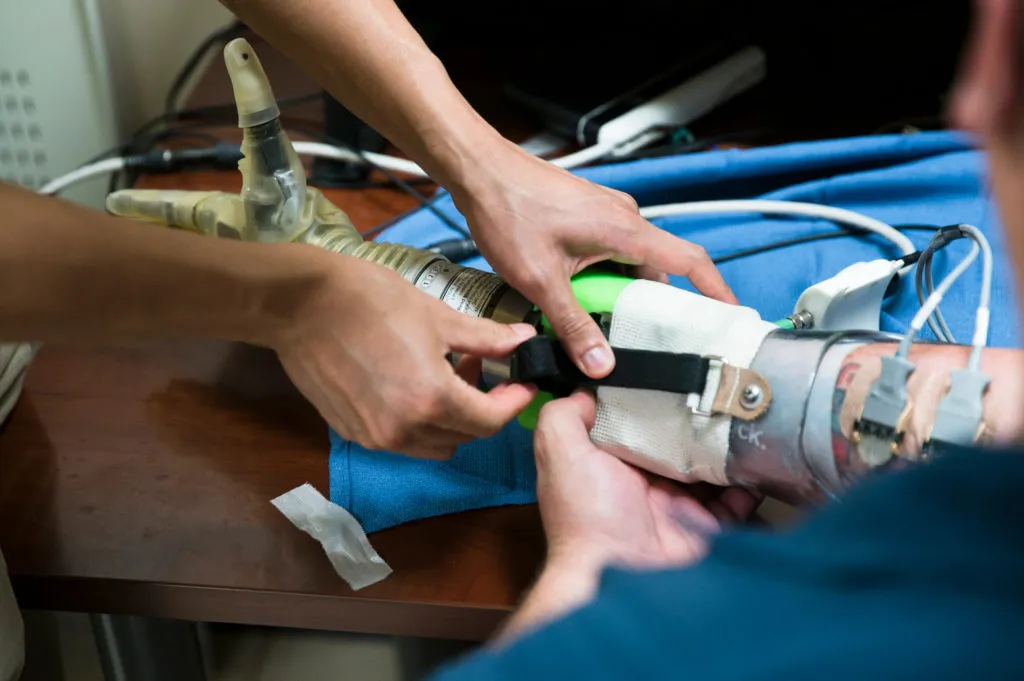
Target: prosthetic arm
[702, 391]
[705, 391]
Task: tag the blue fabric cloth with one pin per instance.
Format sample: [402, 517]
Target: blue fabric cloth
[925, 178]
[916, 576]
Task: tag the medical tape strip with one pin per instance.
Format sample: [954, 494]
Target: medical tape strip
[339, 533]
[659, 431]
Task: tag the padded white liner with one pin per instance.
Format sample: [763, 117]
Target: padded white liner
[656, 430]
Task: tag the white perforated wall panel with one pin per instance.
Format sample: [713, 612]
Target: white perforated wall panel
[56, 105]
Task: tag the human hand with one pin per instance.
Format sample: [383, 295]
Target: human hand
[368, 350]
[538, 225]
[599, 511]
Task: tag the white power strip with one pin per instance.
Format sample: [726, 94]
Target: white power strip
[689, 101]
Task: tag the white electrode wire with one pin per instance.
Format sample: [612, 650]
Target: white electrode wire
[981, 323]
[811, 210]
[934, 299]
[108, 165]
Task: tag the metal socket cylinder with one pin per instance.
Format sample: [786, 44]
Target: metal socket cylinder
[787, 453]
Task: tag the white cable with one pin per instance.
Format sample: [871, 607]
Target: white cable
[584, 156]
[401, 165]
[813, 210]
[317, 149]
[934, 299]
[981, 322]
[321, 150]
[82, 174]
[839, 215]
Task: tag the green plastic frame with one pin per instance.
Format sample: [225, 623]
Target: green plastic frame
[597, 292]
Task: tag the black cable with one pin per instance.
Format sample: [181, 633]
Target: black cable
[143, 141]
[807, 238]
[147, 135]
[458, 250]
[925, 285]
[219, 37]
[455, 250]
[391, 222]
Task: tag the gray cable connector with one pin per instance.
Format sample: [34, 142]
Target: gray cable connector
[879, 431]
[959, 419]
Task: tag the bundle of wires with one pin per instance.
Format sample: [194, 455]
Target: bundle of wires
[931, 296]
[924, 283]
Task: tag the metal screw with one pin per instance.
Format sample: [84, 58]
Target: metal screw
[802, 320]
[751, 396]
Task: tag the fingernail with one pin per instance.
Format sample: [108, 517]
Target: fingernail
[598, 360]
[524, 331]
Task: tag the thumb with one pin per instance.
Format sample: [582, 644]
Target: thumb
[563, 428]
[482, 337]
[578, 332]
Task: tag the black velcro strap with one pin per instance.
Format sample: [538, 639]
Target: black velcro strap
[544, 363]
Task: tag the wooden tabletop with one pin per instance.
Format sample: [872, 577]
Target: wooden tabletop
[136, 478]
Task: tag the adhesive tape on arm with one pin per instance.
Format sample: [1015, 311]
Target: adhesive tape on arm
[657, 431]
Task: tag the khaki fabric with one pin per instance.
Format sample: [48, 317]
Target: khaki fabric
[14, 360]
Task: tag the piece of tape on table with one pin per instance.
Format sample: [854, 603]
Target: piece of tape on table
[339, 533]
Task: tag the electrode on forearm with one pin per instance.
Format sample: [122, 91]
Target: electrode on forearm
[878, 433]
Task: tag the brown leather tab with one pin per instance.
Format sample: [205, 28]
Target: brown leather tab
[734, 384]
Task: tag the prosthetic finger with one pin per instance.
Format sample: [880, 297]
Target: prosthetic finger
[209, 213]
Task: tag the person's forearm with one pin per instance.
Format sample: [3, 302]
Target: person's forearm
[68, 273]
[564, 585]
[368, 56]
[928, 385]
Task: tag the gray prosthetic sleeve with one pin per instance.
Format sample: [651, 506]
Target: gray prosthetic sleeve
[788, 452]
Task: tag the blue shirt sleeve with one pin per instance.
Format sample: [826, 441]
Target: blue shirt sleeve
[917, 575]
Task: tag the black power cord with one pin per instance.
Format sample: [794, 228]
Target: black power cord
[156, 130]
[141, 156]
[795, 241]
[925, 285]
[458, 250]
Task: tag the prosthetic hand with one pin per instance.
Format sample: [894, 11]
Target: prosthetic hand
[276, 205]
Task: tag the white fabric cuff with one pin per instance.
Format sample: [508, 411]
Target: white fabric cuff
[655, 430]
